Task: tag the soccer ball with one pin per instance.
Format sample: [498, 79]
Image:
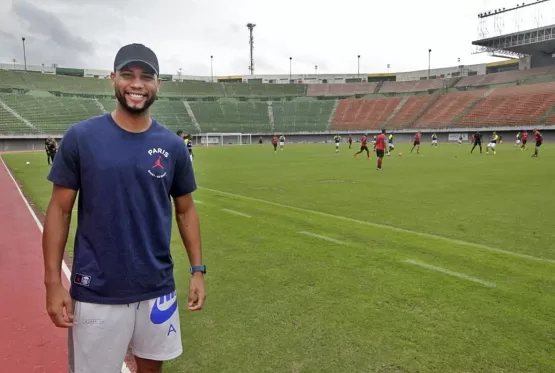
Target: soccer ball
[400, 154]
[27, 163]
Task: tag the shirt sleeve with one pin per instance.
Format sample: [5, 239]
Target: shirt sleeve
[65, 169]
[184, 178]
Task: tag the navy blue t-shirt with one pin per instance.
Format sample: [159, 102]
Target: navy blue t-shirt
[125, 180]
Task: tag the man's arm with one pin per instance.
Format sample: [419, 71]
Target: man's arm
[189, 227]
[56, 229]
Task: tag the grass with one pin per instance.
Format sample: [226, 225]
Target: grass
[282, 301]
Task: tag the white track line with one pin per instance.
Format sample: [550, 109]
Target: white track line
[383, 226]
[322, 237]
[451, 273]
[65, 268]
[236, 213]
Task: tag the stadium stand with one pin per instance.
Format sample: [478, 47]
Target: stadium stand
[411, 86]
[364, 114]
[230, 116]
[341, 89]
[30, 103]
[512, 106]
[302, 116]
[189, 88]
[447, 108]
[504, 77]
[410, 111]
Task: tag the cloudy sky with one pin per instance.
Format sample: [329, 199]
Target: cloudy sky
[184, 33]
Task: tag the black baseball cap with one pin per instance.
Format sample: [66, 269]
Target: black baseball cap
[136, 53]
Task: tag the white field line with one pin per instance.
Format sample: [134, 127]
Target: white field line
[236, 213]
[323, 237]
[65, 268]
[451, 273]
[199, 202]
[383, 226]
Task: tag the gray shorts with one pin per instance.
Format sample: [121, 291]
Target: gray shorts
[102, 333]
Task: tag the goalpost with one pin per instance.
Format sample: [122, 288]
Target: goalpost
[224, 138]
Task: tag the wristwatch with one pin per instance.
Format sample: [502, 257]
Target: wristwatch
[198, 268]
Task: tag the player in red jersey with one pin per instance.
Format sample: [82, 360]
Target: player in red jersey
[416, 143]
[260, 140]
[363, 146]
[274, 142]
[379, 148]
[524, 138]
[350, 141]
[539, 141]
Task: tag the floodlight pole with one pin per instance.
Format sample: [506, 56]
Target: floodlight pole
[290, 62]
[24, 54]
[429, 62]
[251, 26]
[358, 66]
[212, 69]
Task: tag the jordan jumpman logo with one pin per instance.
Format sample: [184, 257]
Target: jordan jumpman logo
[158, 163]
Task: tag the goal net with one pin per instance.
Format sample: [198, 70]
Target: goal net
[231, 138]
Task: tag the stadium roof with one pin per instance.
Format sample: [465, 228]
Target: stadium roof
[522, 43]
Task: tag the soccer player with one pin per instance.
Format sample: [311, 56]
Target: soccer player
[434, 139]
[337, 140]
[350, 141]
[51, 147]
[260, 140]
[363, 146]
[379, 148]
[416, 143]
[517, 143]
[390, 145]
[281, 141]
[493, 143]
[524, 140]
[539, 141]
[189, 143]
[477, 141]
[275, 142]
[122, 284]
[460, 140]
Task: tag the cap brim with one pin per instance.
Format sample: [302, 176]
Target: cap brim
[136, 60]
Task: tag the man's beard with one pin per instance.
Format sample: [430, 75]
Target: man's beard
[134, 111]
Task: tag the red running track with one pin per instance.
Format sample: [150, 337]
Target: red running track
[30, 343]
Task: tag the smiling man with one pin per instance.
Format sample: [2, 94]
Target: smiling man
[125, 166]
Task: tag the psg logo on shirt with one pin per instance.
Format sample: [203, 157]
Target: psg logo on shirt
[159, 160]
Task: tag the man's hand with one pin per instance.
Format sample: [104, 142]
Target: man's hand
[59, 305]
[197, 294]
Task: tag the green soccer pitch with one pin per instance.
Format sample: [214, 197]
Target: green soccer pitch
[318, 263]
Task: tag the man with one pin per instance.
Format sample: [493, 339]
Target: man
[281, 141]
[188, 140]
[434, 139]
[477, 141]
[275, 142]
[539, 142]
[189, 143]
[379, 148]
[524, 140]
[122, 284]
[350, 141]
[493, 143]
[51, 147]
[337, 140]
[416, 143]
[390, 145]
[363, 146]
[517, 143]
